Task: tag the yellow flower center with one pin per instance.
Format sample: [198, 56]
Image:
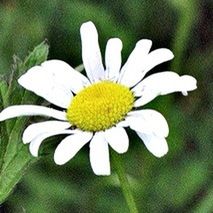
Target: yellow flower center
[100, 106]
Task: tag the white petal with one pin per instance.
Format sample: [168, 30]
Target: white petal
[162, 83]
[35, 144]
[31, 110]
[99, 155]
[117, 139]
[66, 76]
[157, 57]
[155, 144]
[113, 58]
[34, 130]
[148, 121]
[69, 147]
[132, 71]
[91, 54]
[54, 80]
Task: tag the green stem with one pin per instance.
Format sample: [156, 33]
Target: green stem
[187, 17]
[125, 186]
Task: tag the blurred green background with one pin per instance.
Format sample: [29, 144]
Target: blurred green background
[182, 181]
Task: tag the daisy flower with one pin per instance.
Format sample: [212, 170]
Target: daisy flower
[97, 109]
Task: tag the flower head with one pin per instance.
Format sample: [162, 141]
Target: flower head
[98, 108]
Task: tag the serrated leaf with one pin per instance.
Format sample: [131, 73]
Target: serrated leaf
[14, 171]
[41, 51]
[14, 155]
[37, 56]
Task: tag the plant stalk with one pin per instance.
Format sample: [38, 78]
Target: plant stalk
[124, 183]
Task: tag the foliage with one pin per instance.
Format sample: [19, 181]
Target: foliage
[14, 156]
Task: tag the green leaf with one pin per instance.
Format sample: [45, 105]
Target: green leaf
[14, 155]
[21, 96]
[14, 171]
[3, 91]
[37, 56]
[3, 143]
[3, 128]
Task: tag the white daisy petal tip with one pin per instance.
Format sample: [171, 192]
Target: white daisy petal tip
[189, 82]
[161, 153]
[117, 139]
[106, 173]
[87, 25]
[145, 43]
[156, 145]
[99, 155]
[69, 146]
[33, 150]
[31, 110]
[21, 80]
[165, 53]
[116, 42]
[2, 116]
[6, 114]
[88, 28]
[25, 79]
[58, 160]
[25, 138]
[113, 58]
[36, 129]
